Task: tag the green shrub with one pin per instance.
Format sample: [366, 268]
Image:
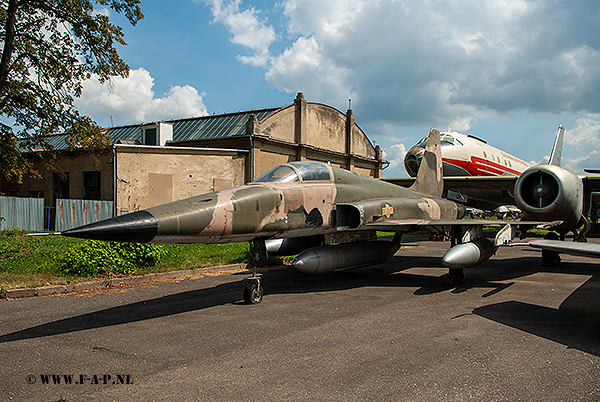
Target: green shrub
[92, 258]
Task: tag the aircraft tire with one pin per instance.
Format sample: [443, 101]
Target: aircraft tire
[253, 293]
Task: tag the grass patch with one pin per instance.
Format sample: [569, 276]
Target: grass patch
[30, 261]
[35, 261]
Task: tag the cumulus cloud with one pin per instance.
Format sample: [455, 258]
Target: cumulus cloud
[132, 99]
[305, 66]
[429, 63]
[585, 137]
[395, 154]
[247, 27]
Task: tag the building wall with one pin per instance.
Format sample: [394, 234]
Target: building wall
[279, 126]
[267, 155]
[149, 176]
[152, 175]
[325, 128]
[312, 131]
[361, 144]
[71, 165]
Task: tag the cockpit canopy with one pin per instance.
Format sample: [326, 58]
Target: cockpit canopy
[296, 171]
[445, 139]
[412, 160]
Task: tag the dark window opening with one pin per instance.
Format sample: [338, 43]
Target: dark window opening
[60, 186]
[91, 185]
[150, 136]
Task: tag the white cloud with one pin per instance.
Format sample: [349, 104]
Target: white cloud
[395, 154]
[431, 63]
[305, 66]
[585, 137]
[247, 28]
[132, 99]
[428, 62]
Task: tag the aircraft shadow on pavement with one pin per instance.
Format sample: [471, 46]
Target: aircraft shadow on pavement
[574, 324]
[287, 281]
[557, 325]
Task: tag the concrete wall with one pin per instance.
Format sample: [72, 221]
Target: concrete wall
[279, 126]
[325, 128]
[149, 176]
[312, 131]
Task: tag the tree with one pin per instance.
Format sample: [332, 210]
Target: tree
[50, 48]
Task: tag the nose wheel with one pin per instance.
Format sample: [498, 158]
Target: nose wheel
[253, 292]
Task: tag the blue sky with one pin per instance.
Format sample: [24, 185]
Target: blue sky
[507, 71]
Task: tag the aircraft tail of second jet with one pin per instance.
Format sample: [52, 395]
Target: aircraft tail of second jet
[556, 155]
[430, 179]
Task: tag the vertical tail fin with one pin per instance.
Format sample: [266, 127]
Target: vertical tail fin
[556, 154]
[429, 178]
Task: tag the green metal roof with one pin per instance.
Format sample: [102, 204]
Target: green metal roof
[216, 126]
[184, 130]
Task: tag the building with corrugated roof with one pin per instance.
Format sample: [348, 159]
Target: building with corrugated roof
[158, 162]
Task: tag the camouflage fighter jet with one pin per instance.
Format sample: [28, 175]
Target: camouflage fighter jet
[306, 203]
[328, 214]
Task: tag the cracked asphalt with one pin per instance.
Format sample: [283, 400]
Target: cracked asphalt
[511, 331]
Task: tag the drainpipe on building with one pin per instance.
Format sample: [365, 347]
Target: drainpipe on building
[114, 151]
[251, 126]
[251, 156]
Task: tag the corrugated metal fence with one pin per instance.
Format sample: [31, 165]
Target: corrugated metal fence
[22, 213]
[73, 213]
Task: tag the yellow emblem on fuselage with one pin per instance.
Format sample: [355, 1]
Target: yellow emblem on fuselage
[387, 211]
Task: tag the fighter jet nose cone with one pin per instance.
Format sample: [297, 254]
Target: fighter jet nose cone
[137, 227]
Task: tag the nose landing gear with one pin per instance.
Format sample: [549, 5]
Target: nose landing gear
[253, 292]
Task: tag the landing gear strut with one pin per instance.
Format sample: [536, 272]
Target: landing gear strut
[455, 275]
[253, 292]
[551, 257]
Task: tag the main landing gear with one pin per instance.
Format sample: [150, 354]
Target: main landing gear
[253, 292]
[455, 275]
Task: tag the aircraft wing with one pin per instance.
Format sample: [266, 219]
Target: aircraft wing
[401, 224]
[467, 182]
[591, 183]
[586, 249]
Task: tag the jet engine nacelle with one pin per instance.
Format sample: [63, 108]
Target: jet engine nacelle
[550, 193]
[326, 259]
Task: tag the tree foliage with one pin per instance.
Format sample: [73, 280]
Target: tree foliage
[50, 48]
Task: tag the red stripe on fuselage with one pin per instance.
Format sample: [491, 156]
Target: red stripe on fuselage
[482, 167]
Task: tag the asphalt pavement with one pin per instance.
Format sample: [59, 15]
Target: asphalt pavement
[511, 331]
